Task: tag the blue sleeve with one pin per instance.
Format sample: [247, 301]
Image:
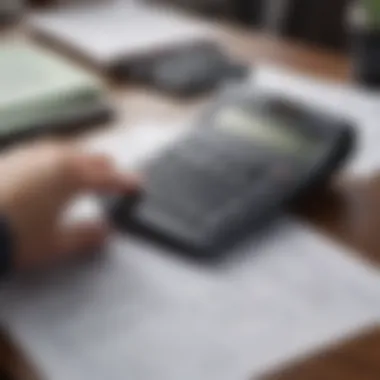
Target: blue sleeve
[6, 247]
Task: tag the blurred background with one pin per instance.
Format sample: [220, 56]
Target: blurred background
[343, 26]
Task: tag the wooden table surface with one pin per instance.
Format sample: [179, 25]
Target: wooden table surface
[349, 210]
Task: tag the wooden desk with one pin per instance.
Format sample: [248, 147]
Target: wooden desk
[347, 211]
[358, 359]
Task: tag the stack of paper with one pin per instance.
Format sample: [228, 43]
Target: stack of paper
[114, 31]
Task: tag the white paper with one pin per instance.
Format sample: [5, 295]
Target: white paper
[138, 312]
[356, 104]
[108, 31]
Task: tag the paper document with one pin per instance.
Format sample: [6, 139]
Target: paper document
[114, 30]
[347, 100]
[140, 313]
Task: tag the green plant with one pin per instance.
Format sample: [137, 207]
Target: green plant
[372, 9]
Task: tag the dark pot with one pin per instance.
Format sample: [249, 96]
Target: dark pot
[366, 57]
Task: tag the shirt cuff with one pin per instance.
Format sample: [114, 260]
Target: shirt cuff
[6, 247]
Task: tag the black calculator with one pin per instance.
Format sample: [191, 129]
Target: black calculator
[249, 156]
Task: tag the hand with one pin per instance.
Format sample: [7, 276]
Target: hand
[36, 184]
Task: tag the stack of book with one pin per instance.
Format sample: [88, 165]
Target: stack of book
[42, 93]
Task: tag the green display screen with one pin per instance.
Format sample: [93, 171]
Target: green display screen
[265, 130]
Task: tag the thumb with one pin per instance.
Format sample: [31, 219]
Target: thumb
[81, 238]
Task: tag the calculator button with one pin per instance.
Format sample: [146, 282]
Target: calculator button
[189, 190]
[256, 172]
[192, 184]
[282, 172]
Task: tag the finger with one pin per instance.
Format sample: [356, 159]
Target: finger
[99, 173]
[81, 238]
[98, 161]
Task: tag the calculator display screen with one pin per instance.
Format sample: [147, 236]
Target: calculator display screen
[268, 131]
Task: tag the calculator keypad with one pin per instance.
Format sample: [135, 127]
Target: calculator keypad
[190, 186]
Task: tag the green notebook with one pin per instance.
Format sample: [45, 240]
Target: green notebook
[41, 90]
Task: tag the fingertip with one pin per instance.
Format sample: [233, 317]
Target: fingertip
[101, 162]
[133, 181]
[83, 237]
[120, 183]
[97, 234]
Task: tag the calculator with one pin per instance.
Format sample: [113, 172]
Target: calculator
[246, 160]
